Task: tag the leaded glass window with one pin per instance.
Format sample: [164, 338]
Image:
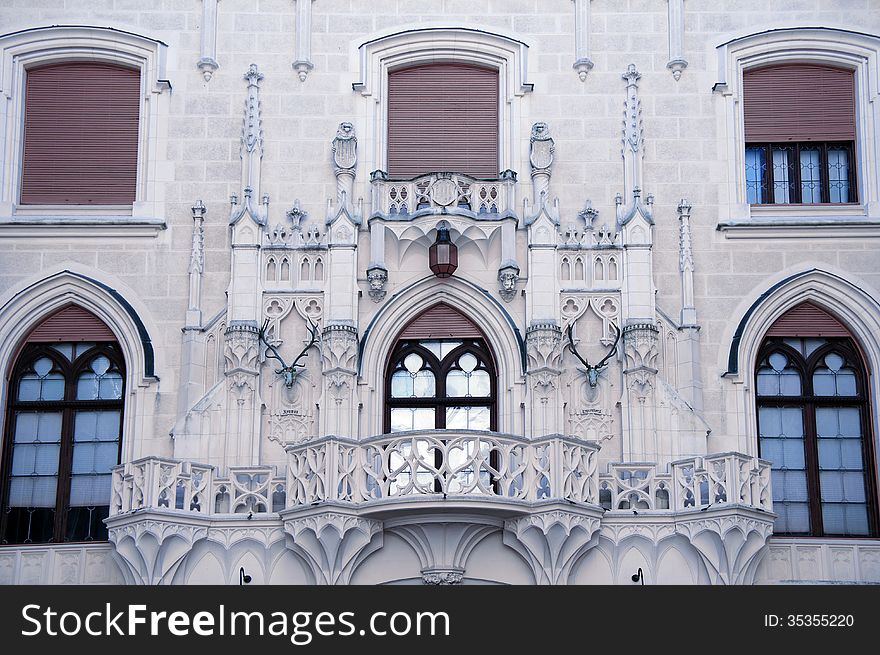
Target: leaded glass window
[812, 427]
[64, 418]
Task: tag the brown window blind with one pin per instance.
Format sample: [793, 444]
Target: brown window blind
[443, 117]
[807, 320]
[441, 322]
[72, 323]
[799, 102]
[80, 134]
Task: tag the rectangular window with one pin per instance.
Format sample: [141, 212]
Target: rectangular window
[803, 115]
[80, 135]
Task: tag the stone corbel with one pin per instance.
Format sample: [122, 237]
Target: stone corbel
[207, 64]
[303, 64]
[729, 541]
[332, 543]
[508, 276]
[153, 547]
[677, 62]
[552, 541]
[377, 276]
[582, 63]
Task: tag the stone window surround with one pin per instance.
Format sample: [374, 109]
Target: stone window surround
[44, 45]
[432, 44]
[822, 45]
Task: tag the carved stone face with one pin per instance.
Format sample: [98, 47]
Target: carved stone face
[377, 279]
[345, 131]
[540, 130]
[508, 281]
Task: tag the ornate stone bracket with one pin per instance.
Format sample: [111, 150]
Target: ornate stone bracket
[552, 541]
[153, 546]
[332, 543]
[677, 63]
[207, 64]
[303, 64]
[377, 277]
[730, 542]
[582, 63]
[508, 276]
[443, 548]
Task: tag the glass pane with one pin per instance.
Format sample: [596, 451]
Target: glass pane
[53, 387]
[32, 492]
[95, 457]
[29, 387]
[80, 348]
[423, 384]
[401, 384]
[467, 362]
[846, 382]
[838, 174]
[87, 386]
[413, 363]
[456, 383]
[42, 366]
[755, 168]
[110, 386]
[406, 418]
[89, 490]
[768, 382]
[781, 176]
[65, 349]
[467, 418]
[793, 518]
[481, 384]
[811, 187]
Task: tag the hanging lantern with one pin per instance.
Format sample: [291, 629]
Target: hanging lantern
[443, 255]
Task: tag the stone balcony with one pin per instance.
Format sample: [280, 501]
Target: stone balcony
[443, 193]
[338, 495]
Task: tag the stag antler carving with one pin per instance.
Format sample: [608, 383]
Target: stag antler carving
[593, 370]
[288, 370]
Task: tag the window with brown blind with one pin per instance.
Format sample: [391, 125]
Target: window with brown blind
[443, 117]
[80, 134]
[63, 431]
[814, 426]
[800, 134]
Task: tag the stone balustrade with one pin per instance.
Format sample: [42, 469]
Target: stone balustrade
[693, 483]
[451, 193]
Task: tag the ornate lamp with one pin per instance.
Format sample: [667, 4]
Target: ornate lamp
[443, 255]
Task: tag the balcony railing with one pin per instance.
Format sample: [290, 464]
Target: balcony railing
[167, 484]
[441, 463]
[693, 483]
[452, 193]
[438, 463]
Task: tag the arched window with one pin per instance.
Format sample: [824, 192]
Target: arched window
[63, 431]
[441, 375]
[814, 428]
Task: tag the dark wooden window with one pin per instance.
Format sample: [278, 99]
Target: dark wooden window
[63, 435]
[443, 117]
[80, 134]
[441, 375]
[814, 427]
[800, 134]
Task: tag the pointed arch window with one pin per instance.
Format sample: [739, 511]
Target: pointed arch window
[814, 428]
[441, 375]
[63, 431]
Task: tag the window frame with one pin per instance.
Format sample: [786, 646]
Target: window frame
[440, 401]
[845, 49]
[399, 47]
[68, 407]
[809, 402]
[20, 51]
[795, 172]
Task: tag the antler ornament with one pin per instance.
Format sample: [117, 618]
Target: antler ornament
[288, 371]
[593, 370]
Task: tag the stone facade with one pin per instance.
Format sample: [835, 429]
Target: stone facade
[617, 228]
